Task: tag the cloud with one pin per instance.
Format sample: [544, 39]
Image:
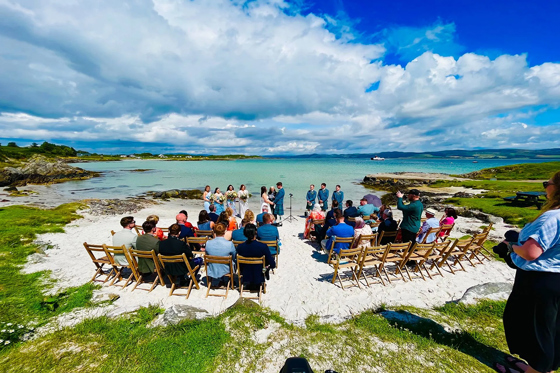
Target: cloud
[255, 77]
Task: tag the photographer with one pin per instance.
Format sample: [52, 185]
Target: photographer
[532, 314]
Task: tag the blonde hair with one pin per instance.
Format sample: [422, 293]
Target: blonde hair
[249, 215]
[554, 202]
[229, 212]
[153, 218]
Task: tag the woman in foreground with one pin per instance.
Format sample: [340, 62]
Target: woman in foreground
[532, 314]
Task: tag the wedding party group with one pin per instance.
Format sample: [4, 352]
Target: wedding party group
[272, 200]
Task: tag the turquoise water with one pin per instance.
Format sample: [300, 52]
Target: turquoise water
[296, 174]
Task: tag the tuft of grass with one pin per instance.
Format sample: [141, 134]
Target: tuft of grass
[498, 207]
[524, 171]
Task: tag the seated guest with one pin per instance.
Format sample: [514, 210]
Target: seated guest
[431, 222]
[204, 222]
[261, 215]
[366, 209]
[127, 237]
[147, 242]
[175, 246]
[316, 214]
[388, 224]
[154, 219]
[185, 231]
[361, 229]
[350, 212]
[268, 232]
[448, 218]
[238, 235]
[330, 220]
[341, 230]
[187, 224]
[253, 275]
[224, 219]
[250, 217]
[232, 222]
[212, 215]
[219, 246]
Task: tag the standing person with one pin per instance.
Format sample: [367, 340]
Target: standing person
[230, 198]
[271, 198]
[323, 197]
[532, 313]
[338, 196]
[279, 202]
[412, 214]
[310, 198]
[218, 199]
[126, 237]
[265, 202]
[206, 197]
[243, 195]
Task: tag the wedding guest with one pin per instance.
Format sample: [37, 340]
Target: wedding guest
[147, 242]
[448, 218]
[412, 214]
[175, 246]
[204, 222]
[342, 230]
[338, 196]
[232, 223]
[187, 224]
[329, 222]
[206, 197]
[250, 217]
[230, 198]
[212, 215]
[316, 214]
[219, 246]
[265, 202]
[127, 237]
[350, 211]
[268, 232]
[218, 201]
[185, 231]
[431, 222]
[253, 275]
[243, 195]
[361, 229]
[310, 198]
[323, 197]
[238, 234]
[261, 215]
[279, 203]
[388, 224]
[154, 219]
[271, 198]
[366, 209]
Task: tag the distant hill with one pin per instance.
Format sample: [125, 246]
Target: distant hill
[551, 154]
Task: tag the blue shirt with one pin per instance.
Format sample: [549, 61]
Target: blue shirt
[268, 232]
[367, 209]
[238, 235]
[219, 246]
[311, 196]
[259, 218]
[341, 230]
[205, 226]
[546, 231]
[430, 223]
[279, 200]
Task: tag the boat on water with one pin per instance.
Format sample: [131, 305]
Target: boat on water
[474, 161]
[376, 158]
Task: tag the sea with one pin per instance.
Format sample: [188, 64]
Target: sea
[121, 179]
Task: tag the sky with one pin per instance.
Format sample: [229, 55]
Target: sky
[279, 77]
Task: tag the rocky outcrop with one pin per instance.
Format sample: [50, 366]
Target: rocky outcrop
[177, 193]
[393, 184]
[177, 313]
[42, 170]
[489, 290]
[117, 206]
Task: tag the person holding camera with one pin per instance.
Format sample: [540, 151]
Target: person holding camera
[412, 214]
[532, 313]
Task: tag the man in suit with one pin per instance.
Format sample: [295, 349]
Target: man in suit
[147, 242]
[350, 212]
[253, 275]
[388, 224]
[310, 197]
[174, 246]
[279, 202]
[340, 230]
[338, 196]
[127, 237]
[185, 230]
[212, 215]
[238, 235]
[268, 232]
[323, 197]
[260, 216]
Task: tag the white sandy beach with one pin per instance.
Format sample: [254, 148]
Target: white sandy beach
[300, 287]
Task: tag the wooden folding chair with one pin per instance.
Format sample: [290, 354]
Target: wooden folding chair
[440, 249]
[429, 232]
[446, 230]
[139, 230]
[488, 228]
[371, 239]
[191, 272]
[418, 253]
[112, 232]
[200, 241]
[348, 240]
[372, 257]
[241, 261]
[213, 259]
[201, 233]
[274, 245]
[99, 262]
[235, 243]
[387, 234]
[396, 254]
[374, 224]
[352, 219]
[477, 247]
[349, 258]
[111, 251]
[149, 255]
[457, 252]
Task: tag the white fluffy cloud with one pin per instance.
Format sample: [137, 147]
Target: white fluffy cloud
[254, 77]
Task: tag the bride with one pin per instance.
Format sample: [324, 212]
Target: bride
[243, 195]
[264, 199]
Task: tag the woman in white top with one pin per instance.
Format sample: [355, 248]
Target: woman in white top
[243, 196]
[206, 197]
[264, 199]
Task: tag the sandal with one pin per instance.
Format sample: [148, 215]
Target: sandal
[505, 369]
[512, 360]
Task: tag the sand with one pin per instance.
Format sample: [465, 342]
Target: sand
[300, 286]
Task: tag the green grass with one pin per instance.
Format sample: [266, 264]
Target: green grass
[502, 188]
[22, 296]
[498, 207]
[524, 171]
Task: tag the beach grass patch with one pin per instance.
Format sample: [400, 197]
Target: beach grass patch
[498, 207]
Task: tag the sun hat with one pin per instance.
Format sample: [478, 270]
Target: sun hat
[431, 211]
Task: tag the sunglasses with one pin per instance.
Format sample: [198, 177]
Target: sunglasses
[545, 184]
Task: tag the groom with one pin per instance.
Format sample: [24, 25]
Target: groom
[279, 203]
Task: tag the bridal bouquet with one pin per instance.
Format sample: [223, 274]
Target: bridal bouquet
[216, 198]
[244, 197]
[231, 195]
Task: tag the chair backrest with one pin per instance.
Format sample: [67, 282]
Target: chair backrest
[352, 252]
[442, 247]
[366, 217]
[387, 234]
[405, 246]
[374, 224]
[376, 253]
[235, 243]
[488, 228]
[202, 233]
[318, 221]
[429, 232]
[446, 229]
[243, 260]
[135, 254]
[351, 218]
[92, 249]
[197, 240]
[139, 230]
[111, 251]
[271, 244]
[420, 250]
[370, 238]
[214, 259]
[479, 238]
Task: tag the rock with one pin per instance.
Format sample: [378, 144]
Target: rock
[244, 302]
[489, 290]
[103, 297]
[42, 170]
[11, 189]
[113, 297]
[176, 193]
[177, 313]
[463, 195]
[117, 206]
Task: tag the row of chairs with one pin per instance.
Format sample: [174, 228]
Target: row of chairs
[378, 257]
[104, 255]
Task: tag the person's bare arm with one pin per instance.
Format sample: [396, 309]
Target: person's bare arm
[530, 250]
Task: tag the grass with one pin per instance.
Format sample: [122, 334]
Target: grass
[22, 298]
[524, 171]
[502, 188]
[498, 207]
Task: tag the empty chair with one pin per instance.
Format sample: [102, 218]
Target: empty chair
[372, 257]
[418, 254]
[111, 251]
[349, 258]
[347, 241]
[201, 233]
[396, 254]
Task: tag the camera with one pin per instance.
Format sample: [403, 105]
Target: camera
[291, 195]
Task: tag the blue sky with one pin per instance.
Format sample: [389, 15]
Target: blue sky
[280, 77]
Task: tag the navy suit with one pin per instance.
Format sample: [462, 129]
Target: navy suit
[185, 231]
[252, 273]
[213, 216]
